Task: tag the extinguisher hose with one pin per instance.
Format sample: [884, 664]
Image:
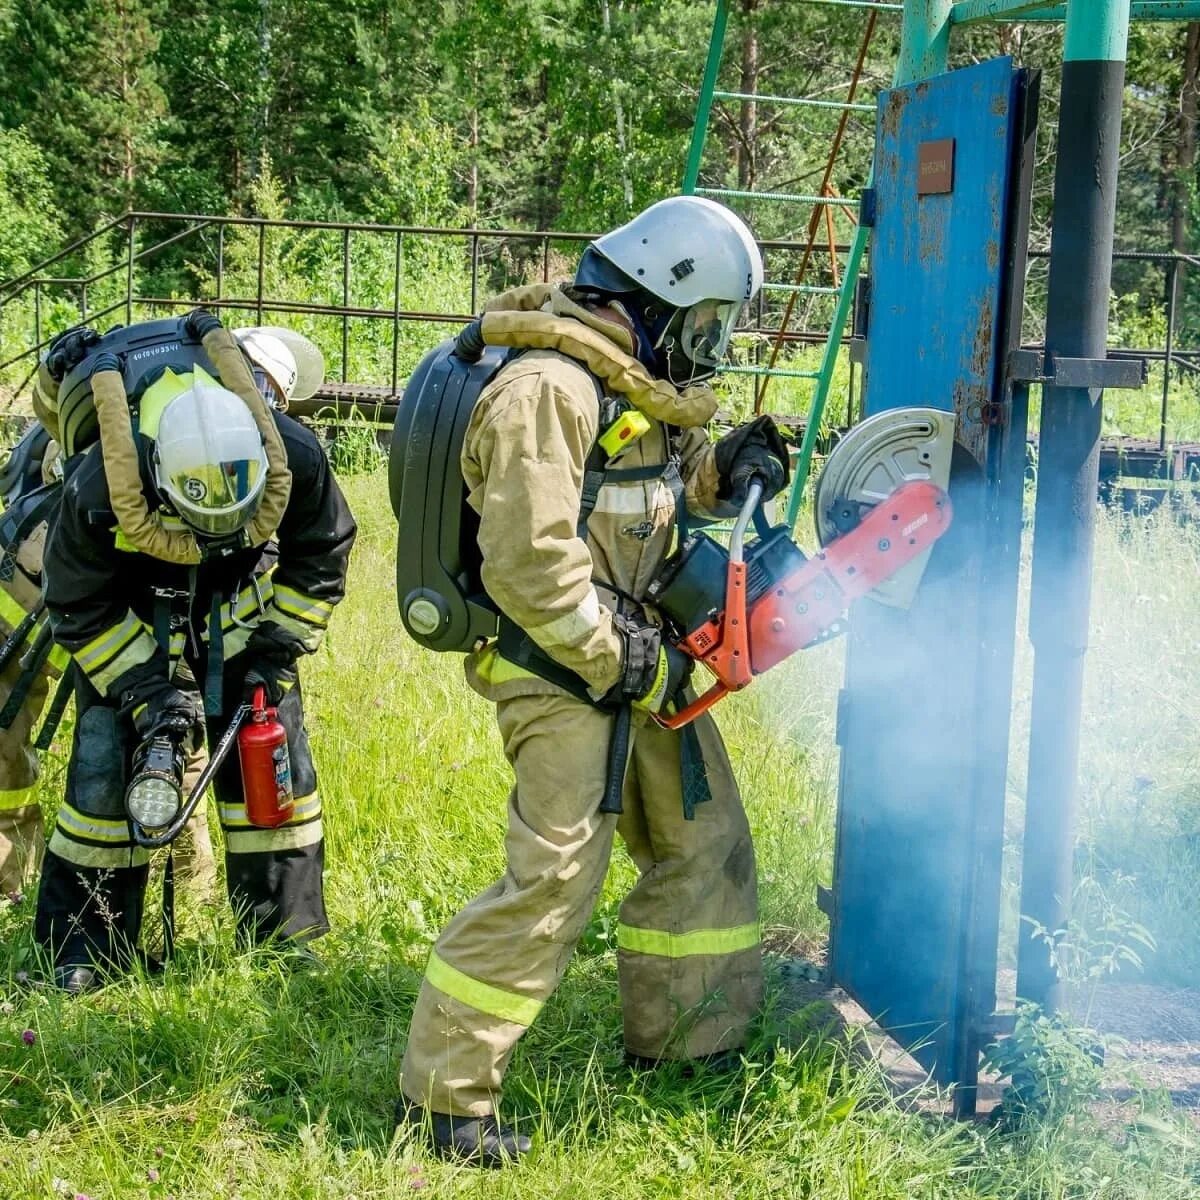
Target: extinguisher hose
[219, 755]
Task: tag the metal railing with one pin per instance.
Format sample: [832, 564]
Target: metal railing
[485, 271]
[482, 251]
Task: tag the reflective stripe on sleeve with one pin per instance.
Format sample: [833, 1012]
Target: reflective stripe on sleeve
[680, 945]
[18, 797]
[304, 608]
[572, 627]
[483, 997]
[309, 635]
[115, 651]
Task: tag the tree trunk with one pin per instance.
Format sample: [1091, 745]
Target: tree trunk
[748, 121]
[619, 115]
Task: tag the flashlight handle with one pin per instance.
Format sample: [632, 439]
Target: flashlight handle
[216, 758]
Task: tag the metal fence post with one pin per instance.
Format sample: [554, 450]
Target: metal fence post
[396, 311]
[1085, 201]
[131, 250]
[474, 271]
[345, 304]
[1172, 306]
[220, 261]
[262, 267]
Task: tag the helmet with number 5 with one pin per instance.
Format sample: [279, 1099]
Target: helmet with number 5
[681, 270]
[209, 458]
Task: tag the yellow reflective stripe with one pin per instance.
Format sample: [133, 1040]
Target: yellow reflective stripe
[98, 829]
[140, 649]
[309, 635]
[495, 668]
[494, 1001]
[108, 643]
[18, 797]
[570, 628]
[234, 815]
[304, 608]
[11, 613]
[97, 856]
[261, 841]
[59, 659]
[680, 945]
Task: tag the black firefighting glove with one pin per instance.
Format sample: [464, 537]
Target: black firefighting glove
[154, 705]
[270, 658]
[652, 670]
[753, 451]
[68, 350]
[199, 322]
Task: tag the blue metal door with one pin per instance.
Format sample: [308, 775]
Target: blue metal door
[923, 717]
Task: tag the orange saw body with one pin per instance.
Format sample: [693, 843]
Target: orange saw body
[776, 601]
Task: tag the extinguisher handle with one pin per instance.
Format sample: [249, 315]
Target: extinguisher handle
[260, 701]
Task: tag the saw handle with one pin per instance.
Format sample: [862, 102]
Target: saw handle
[735, 644]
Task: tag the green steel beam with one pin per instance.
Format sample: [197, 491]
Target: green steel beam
[704, 106]
[833, 346]
[924, 40]
[972, 12]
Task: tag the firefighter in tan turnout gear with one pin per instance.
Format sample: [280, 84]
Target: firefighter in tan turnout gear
[584, 462]
[196, 556]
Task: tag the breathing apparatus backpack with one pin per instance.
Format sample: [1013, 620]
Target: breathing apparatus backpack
[442, 600]
[148, 350]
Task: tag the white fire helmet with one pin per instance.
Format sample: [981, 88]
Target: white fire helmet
[287, 366]
[209, 458]
[697, 256]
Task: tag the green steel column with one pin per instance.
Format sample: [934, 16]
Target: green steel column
[1085, 204]
[924, 39]
[691, 173]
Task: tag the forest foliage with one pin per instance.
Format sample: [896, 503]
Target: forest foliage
[518, 114]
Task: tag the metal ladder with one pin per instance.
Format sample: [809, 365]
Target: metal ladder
[824, 205]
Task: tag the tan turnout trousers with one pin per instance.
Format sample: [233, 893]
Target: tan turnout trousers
[689, 958]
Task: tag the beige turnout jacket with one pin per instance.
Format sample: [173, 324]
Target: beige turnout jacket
[524, 458]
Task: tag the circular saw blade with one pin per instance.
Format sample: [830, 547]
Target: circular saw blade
[869, 463]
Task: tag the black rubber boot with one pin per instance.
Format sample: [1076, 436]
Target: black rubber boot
[476, 1141]
[77, 979]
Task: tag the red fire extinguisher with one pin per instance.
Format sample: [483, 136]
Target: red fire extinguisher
[266, 766]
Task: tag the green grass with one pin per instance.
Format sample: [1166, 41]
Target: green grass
[232, 1077]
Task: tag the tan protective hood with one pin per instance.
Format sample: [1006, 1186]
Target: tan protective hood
[541, 316]
[144, 529]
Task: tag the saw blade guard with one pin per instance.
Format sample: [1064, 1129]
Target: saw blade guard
[869, 464]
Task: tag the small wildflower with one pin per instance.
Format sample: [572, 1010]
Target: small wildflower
[416, 1183]
[152, 1175]
[28, 1037]
[8, 1008]
[159, 1152]
[22, 977]
[16, 897]
[82, 1196]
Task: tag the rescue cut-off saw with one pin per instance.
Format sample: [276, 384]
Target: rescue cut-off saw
[881, 502]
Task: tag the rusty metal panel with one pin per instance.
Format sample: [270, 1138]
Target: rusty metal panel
[924, 715]
[937, 258]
